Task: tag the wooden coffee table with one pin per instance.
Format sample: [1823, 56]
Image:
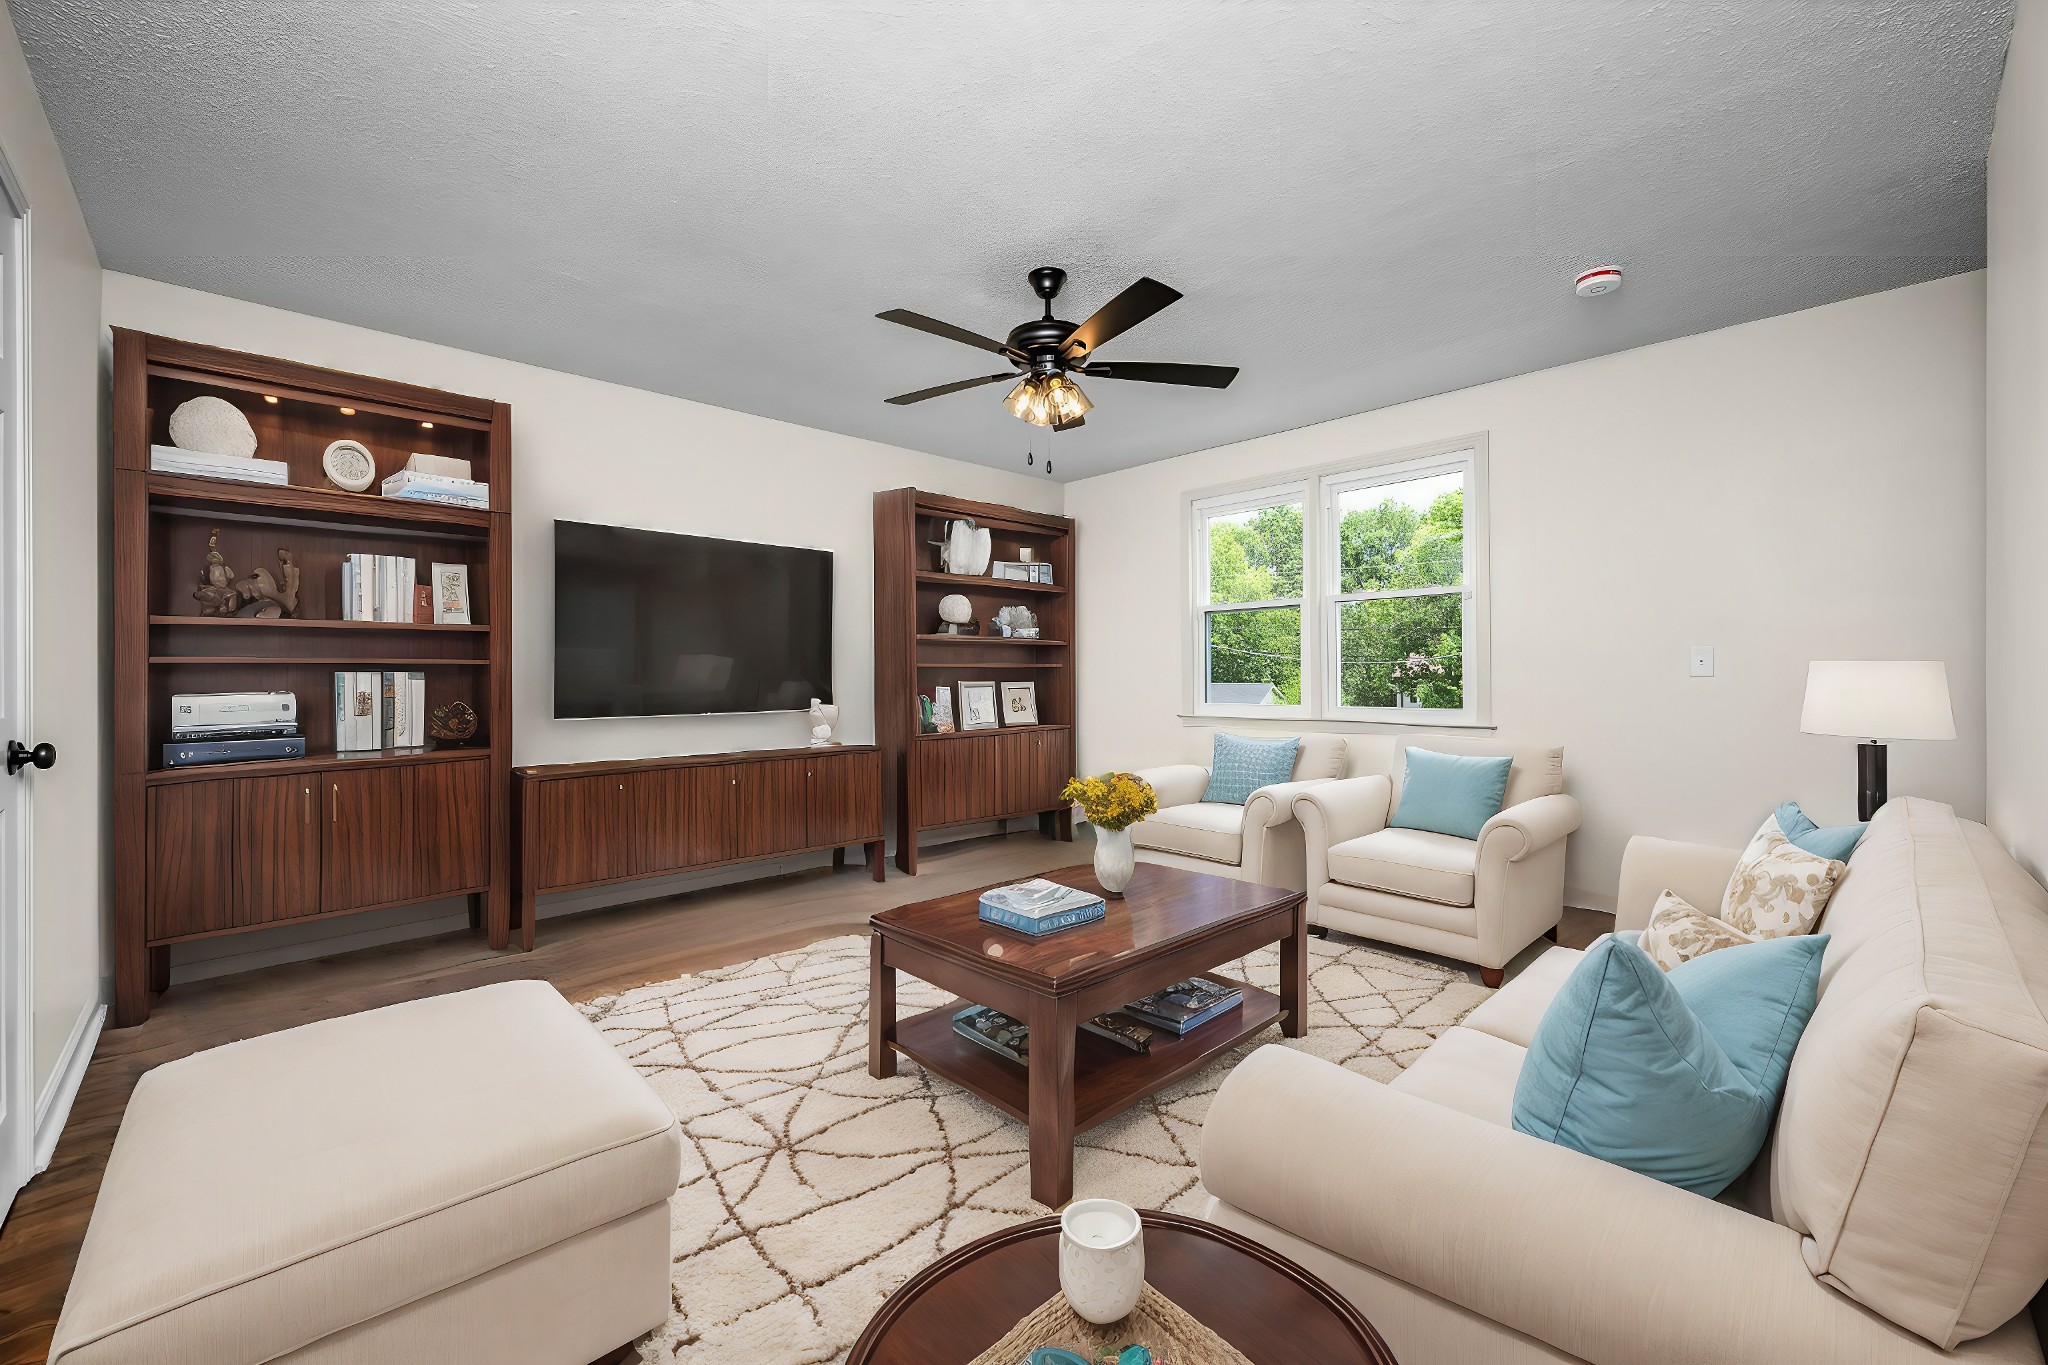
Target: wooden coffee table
[1254, 1298]
[1169, 924]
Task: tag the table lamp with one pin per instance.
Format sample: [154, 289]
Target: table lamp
[1875, 700]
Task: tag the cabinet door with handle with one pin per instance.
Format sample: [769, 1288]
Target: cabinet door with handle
[367, 838]
[451, 823]
[191, 863]
[277, 848]
[1053, 758]
[770, 806]
[843, 798]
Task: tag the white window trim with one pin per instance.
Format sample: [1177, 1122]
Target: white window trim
[1199, 510]
[1318, 488]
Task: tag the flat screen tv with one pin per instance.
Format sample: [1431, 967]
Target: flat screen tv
[649, 623]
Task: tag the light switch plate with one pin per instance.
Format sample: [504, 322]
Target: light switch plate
[1700, 661]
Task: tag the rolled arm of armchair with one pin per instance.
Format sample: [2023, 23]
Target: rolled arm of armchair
[1698, 873]
[1521, 830]
[1274, 805]
[1452, 1205]
[1177, 784]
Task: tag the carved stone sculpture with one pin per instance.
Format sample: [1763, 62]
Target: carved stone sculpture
[216, 593]
[265, 597]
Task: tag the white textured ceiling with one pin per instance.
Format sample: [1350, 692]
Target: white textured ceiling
[1363, 202]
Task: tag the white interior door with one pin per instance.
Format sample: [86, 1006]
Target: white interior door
[17, 1107]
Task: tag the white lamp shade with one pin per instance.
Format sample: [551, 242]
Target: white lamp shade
[1878, 699]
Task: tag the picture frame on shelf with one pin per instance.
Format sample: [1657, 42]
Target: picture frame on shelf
[1015, 571]
[942, 710]
[1041, 572]
[978, 706]
[1020, 703]
[451, 595]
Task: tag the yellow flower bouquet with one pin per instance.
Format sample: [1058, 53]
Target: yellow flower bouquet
[1113, 801]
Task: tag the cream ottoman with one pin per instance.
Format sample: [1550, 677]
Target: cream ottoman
[471, 1177]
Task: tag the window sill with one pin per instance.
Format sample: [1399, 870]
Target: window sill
[1307, 722]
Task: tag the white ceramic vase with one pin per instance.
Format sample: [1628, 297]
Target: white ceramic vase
[1114, 860]
[1102, 1259]
[967, 548]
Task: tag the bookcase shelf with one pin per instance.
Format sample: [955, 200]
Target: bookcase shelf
[232, 847]
[978, 775]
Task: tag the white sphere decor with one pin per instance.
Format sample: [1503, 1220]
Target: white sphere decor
[214, 426]
[955, 609]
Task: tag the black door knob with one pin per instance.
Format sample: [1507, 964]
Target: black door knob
[20, 756]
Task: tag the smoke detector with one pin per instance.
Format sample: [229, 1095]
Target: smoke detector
[1601, 279]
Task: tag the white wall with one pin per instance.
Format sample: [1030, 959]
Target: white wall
[587, 450]
[68, 807]
[1809, 486]
[2016, 531]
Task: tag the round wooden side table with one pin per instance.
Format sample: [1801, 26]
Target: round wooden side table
[1254, 1298]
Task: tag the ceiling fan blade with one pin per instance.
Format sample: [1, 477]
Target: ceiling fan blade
[1069, 426]
[1201, 376]
[904, 317]
[943, 389]
[1118, 316]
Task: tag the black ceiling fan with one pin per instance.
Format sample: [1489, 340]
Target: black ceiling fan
[1047, 355]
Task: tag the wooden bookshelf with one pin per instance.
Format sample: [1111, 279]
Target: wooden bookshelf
[233, 847]
[977, 775]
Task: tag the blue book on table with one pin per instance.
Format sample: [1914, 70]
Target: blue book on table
[1049, 924]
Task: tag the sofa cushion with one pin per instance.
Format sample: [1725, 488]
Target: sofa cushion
[1409, 862]
[1778, 887]
[1450, 793]
[1678, 932]
[1241, 764]
[1469, 1071]
[1836, 841]
[1512, 1012]
[1538, 769]
[1910, 1149]
[1320, 756]
[1623, 1069]
[1212, 830]
[275, 1191]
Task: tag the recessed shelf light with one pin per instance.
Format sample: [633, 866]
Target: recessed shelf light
[348, 412]
[426, 426]
[270, 398]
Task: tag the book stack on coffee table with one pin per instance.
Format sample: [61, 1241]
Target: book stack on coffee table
[1040, 907]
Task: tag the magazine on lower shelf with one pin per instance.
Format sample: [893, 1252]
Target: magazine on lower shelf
[1121, 1029]
[1185, 1004]
[994, 1030]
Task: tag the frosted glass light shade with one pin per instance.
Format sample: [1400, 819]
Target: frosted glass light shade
[1878, 699]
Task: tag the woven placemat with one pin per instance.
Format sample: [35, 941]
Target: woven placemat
[1157, 1323]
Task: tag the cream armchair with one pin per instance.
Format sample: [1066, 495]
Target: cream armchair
[1476, 900]
[1256, 842]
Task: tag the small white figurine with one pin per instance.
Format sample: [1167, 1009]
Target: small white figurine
[824, 722]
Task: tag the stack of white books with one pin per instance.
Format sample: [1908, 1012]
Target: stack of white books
[378, 588]
[378, 710]
[420, 486]
[198, 464]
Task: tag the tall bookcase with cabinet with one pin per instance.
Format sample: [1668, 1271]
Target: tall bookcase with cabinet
[970, 776]
[228, 848]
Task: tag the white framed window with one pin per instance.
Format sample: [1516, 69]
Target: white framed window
[1388, 623]
[1250, 570]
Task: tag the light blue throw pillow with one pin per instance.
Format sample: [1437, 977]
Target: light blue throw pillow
[1241, 765]
[1836, 841]
[1451, 793]
[1675, 1077]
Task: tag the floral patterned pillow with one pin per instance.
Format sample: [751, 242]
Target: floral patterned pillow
[1778, 887]
[1679, 933]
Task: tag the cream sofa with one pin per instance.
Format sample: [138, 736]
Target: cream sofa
[1900, 1213]
[1477, 900]
[1256, 842]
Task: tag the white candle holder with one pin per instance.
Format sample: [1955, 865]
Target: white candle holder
[1102, 1259]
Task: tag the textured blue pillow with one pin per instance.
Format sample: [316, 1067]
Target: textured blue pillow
[1675, 1077]
[1451, 793]
[1836, 841]
[1241, 765]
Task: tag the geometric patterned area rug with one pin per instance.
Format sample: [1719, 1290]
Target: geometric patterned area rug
[810, 1189]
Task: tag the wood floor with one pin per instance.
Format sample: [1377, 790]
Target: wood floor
[583, 956]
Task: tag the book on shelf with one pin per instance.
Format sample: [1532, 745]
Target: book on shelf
[193, 752]
[1185, 1004]
[420, 486]
[996, 1031]
[379, 588]
[379, 710]
[200, 464]
[1122, 1030]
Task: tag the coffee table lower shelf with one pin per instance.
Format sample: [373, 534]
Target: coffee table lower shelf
[1107, 1079]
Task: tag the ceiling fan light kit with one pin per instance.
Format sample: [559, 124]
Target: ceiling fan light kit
[1047, 354]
